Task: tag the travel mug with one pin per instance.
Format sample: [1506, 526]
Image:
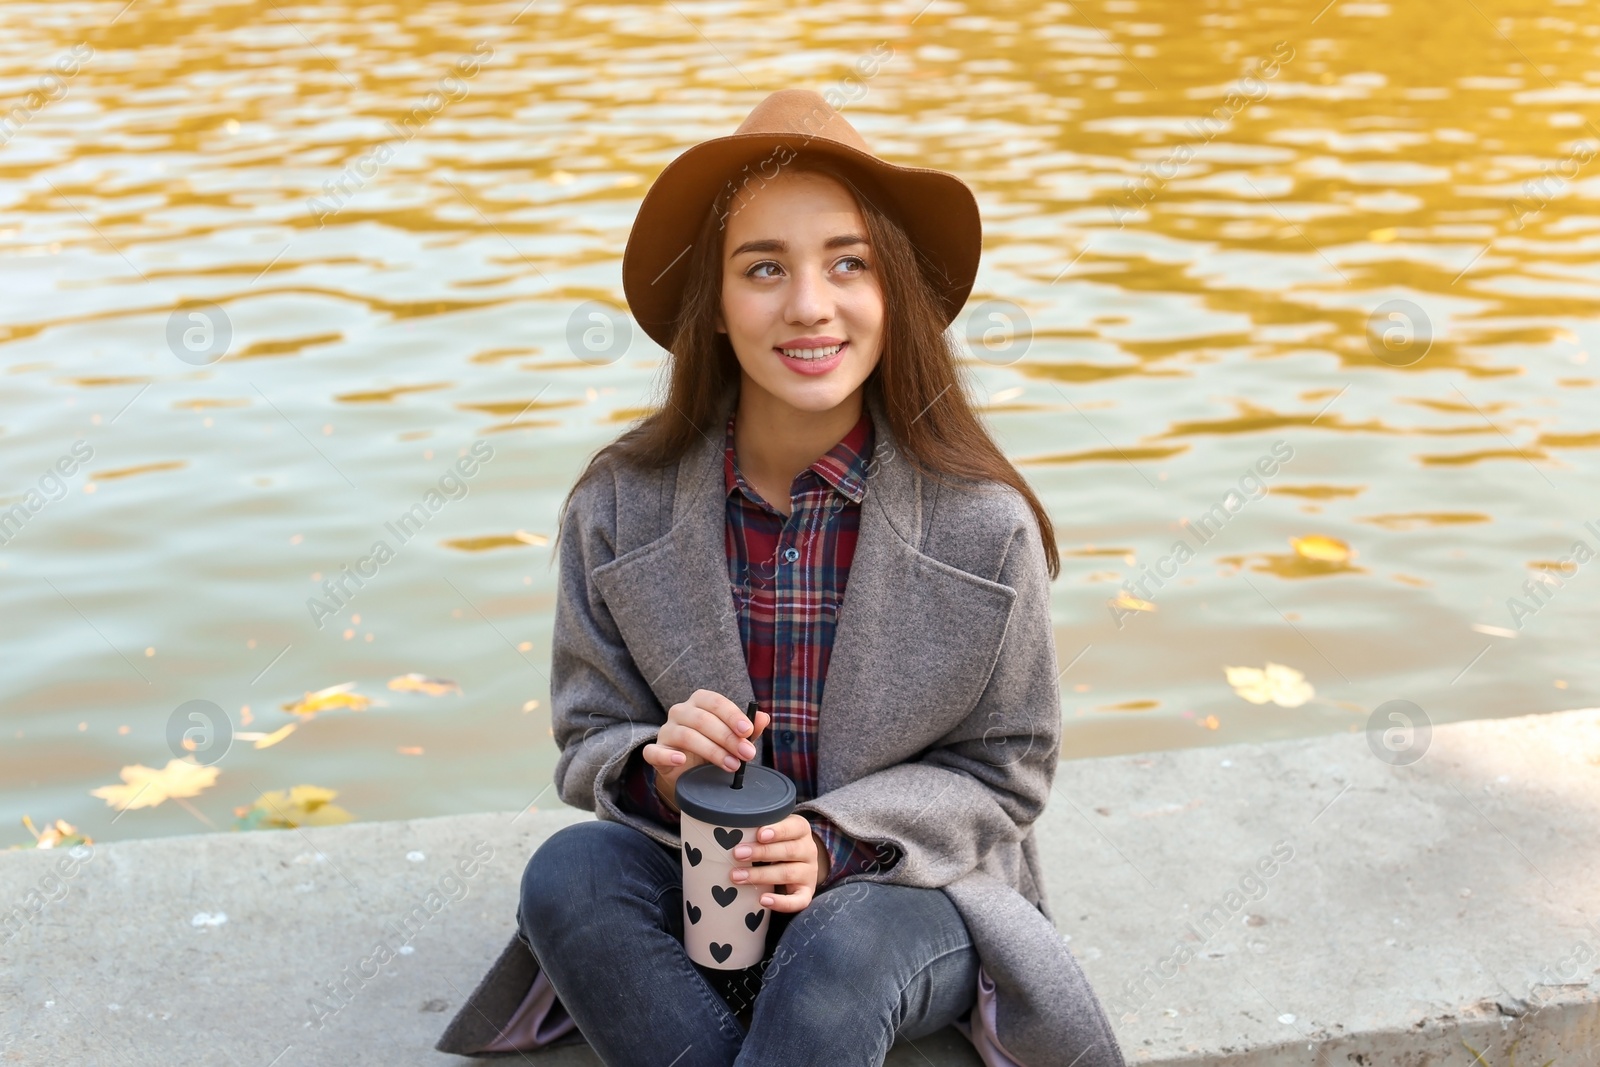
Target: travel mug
[724, 923]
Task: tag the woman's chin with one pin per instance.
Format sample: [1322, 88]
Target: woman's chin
[819, 399]
[814, 396]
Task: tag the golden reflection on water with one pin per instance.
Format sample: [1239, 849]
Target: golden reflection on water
[402, 273]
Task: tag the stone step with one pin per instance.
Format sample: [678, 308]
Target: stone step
[1411, 914]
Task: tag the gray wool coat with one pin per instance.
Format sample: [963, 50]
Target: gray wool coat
[940, 720]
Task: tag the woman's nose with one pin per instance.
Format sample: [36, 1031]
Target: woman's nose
[809, 299]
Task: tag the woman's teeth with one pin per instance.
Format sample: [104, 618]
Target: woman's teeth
[811, 353]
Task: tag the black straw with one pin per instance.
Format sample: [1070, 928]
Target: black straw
[738, 775]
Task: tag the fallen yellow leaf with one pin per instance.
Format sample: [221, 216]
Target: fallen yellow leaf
[1130, 705]
[421, 683]
[60, 834]
[277, 735]
[335, 696]
[529, 706]
[302, 805]
[1322, 549]
[1128, 602]
[145, 787]
[531, 538]
[1281, 685]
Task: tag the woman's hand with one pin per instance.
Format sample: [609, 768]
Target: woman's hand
[795, 859]
[706, 728]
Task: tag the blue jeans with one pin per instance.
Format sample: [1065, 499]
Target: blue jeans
[863, 964]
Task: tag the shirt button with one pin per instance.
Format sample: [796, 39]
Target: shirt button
[791, 554]
[788, 737]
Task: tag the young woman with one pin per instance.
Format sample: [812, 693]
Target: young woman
[815, 503]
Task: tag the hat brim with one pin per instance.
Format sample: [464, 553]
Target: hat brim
[937, 210]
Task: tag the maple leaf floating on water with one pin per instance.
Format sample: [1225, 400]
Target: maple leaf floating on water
[1322, 549]
[266, 740]
[1128, 602]
[421, 683]
[60, 834]
[1283, 686]
[335, 696]
[301, 805]
[145, 787]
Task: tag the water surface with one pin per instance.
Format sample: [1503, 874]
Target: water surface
[1204, 251]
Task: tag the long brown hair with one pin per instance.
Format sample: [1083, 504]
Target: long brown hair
[917, 380]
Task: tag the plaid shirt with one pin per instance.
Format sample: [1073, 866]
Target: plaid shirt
[788, 580]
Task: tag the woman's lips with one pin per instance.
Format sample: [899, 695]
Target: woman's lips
[814, 366]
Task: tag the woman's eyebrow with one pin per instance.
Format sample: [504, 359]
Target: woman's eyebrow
[774, 244]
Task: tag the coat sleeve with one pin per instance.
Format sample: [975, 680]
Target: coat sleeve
[987, 781]
[846, 855]
[601, 708]
[640, 796]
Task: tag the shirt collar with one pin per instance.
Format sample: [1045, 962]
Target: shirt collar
[844, 466]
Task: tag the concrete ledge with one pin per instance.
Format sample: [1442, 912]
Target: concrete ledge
[1409, 912]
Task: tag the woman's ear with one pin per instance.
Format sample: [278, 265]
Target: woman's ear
[722, 327]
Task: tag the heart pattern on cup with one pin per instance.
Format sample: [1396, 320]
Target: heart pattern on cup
[720, 952]
[693, 853]
[717, 891]
[727, 838]
[694, 913]
[753, 920]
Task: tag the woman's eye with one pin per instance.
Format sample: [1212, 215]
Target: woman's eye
[755, 269]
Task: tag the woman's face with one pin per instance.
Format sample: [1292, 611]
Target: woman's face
[798, 276]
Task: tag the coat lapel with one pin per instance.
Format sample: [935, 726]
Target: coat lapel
[916, 638]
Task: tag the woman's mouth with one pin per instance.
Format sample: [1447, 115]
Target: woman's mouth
[813, 360]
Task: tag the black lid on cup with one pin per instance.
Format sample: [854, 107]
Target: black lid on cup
[706, 792]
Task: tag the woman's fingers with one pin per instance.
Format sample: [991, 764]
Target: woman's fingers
[797, 901]
[734, 722]
[787, 863]
[721, 720]
[687, 738]
[663, 758]
[709, 727]
[730, 745]
[773, 874]
[776, 851]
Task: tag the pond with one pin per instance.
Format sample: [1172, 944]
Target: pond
[272, 270]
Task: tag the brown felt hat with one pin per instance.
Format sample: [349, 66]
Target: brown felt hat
[937, 210]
